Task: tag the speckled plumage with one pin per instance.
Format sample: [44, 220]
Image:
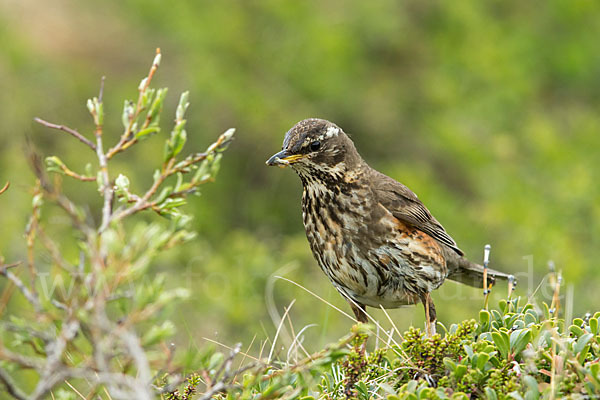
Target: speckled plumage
[371, 235]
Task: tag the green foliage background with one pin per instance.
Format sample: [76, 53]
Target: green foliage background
[488, 110]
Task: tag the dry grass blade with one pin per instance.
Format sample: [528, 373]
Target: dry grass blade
[318, 297]
[287, 310]
[75, 390]
[230, 348]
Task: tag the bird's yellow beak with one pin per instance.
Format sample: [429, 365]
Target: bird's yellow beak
[283, 159]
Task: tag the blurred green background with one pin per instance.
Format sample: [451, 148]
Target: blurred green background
[488, 110]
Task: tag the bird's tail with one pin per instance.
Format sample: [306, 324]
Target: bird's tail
[469, 273]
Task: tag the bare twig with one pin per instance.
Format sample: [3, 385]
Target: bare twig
[226, 367]
[22, 361]
[75, 175]
[53, 370]
[144, 201]
[132, 342]
[44, 336]
[29, 295]
[51, 193]
[68, 130]
[30, 234]
[5, 187]
[217, 388]
[107, 191]
[11, 386]
[101, 92]
[222, 383]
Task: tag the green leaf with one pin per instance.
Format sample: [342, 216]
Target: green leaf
[362, 389]
[502, 343]
[215, 361]
[54, 164]
[202, 173]
[594, 325]
[503, 306]
[175, 144]
[496, 316]
[491, 394]
[595, 371]
[96, 109]
[532, 392]
[179, 139]
[122, 187]
[582, 354]
[173, 203]
[468, 350]
[157, 333]
[482, 359]
[127, 115]
[216, 164]
[90, 106]
[519, 340]
[182, 106]
[582, 342]
[142, 84]
[147, 96]
[531, 317]
[460, 371]
[122, 182]
[411, 386]
[145, 133]
[576, 330]
[484, 317]
[546, 311]
[164, 194]
[451, 365]
[156, 107]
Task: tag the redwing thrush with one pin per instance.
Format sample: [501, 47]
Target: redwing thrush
[373, 238]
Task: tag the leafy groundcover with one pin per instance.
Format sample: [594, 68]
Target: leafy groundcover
[512, 352]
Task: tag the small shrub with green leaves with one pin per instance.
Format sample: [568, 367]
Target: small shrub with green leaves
[90, 318]
[517, 351]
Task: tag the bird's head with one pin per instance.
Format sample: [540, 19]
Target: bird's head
[315, 147]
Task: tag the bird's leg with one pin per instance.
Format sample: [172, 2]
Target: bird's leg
[430, 314]
[427, 324]
[359, 312]
[361, 316]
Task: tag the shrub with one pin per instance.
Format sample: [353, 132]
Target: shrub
[517, 351]
[93, 318]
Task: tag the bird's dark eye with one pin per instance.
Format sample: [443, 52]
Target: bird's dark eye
[316, 145]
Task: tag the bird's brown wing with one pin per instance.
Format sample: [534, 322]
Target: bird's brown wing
[406, 206]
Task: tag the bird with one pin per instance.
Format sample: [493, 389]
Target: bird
[371, 235]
